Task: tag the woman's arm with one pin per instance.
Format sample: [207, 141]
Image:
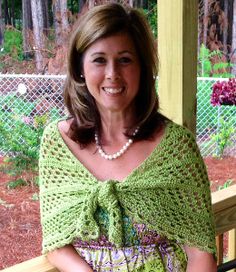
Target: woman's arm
[66, 259]
[199, 260]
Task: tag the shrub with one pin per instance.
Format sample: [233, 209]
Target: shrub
[152, 18]
[223, 137]
[226, 184]
[13, 44]
[23, 139]
[16, 183]
[206, 68]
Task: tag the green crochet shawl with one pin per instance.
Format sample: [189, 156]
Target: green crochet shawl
[169, 192]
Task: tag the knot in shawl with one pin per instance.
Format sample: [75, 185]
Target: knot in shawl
[102, 195]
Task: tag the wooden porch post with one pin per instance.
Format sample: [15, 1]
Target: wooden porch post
[177, 49]
[232, 246]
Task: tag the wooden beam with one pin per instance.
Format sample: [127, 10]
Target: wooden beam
[177, 49]
[224, 208]
[232, 246]
[224, 199]
[219, 245]
[38, 264]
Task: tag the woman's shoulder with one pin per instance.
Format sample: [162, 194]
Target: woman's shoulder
[51, 133]
[181, 141]
[64, 126]
[175, 130]
[177, 138]
[58, 125]
[51, 126]
[52, 142]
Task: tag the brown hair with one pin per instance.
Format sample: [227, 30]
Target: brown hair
[100, 22]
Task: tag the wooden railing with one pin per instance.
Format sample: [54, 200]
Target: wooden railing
[224, 207]
[38, 264]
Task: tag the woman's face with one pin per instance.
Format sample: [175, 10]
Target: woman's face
[111, 69]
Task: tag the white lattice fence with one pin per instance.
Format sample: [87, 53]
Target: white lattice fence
[24, 98]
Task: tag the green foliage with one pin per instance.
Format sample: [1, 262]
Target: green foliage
[207, 69]
[151, 15]
[73, 6]
[17, 6]
[23, 139]
[14, 105]
[35, 197]
[13, 44]
[16, 183]
[55, 113]
[20, 136]
[36, 180]
[226, 184]
[204, 67]
[222, 137]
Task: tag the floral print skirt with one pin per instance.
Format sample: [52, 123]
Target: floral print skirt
[143, 251]
[149, 258]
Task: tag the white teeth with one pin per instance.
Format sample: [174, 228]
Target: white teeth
[113, 90]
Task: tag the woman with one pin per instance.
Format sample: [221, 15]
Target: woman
[122, 187]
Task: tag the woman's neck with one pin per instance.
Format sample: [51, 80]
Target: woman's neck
[113, 127]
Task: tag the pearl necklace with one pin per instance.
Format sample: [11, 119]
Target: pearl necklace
[118, 153]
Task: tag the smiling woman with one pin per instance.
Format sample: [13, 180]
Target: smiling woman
[122, 188]
[112, 71]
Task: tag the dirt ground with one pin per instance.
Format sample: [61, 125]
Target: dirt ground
[20, 236]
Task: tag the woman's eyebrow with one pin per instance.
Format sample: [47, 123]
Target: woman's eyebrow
[119, 53]
[97, 53]
[126, 51]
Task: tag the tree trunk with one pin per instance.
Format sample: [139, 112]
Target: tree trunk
[64, 19]
[1, 25]
[60, 21]
[37, 18]
[6, 13]
[205, 22]
[233, 59]
[200, 23]
[91, 4]
[13, 13]
[81, 4]
[144, 4]
[131, 3]
[46, 24]
[57, 21]
[225, 28]
[27, 27]
[141, 3]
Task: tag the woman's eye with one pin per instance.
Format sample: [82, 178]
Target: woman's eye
[99, 60]
[125, 60]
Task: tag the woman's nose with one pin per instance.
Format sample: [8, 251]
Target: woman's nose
[112, 71]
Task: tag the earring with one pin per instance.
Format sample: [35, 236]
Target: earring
[82, 79]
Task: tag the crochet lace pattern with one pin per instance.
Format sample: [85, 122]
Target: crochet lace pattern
[169, 192]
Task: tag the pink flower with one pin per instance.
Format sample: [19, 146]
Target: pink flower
[224, 93]
[26, 120]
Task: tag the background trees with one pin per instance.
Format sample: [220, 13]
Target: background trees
[1, 24]
[233, 58]
[46, 24]
[217, 31]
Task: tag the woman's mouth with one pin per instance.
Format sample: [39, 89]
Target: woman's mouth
[113, 90]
